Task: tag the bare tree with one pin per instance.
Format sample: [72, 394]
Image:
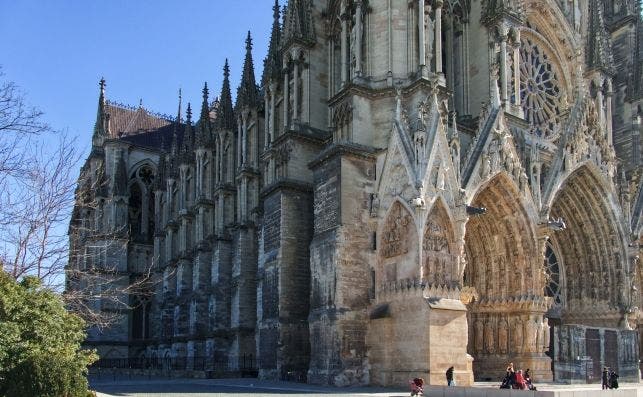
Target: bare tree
[38, 190]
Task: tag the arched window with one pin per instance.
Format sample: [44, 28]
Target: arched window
[552, 272]
[141, 204]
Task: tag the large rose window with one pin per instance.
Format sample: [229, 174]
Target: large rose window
[540, 92]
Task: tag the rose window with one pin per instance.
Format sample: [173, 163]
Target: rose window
[539, 90]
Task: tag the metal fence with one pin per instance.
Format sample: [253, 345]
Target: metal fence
[245, 364]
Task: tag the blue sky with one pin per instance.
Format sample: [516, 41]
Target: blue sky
[57, 51]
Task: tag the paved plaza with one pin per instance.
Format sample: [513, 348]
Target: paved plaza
[108, 386]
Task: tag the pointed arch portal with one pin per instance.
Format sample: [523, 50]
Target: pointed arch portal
[591, 246]
[504, 266]
[589, 326]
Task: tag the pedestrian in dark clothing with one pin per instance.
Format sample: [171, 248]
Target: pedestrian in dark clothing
[613, 380]
[510, 377]
[527, 377]
[605, 379]
[450, 381]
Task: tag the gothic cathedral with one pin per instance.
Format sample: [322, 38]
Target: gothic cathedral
[413, 184]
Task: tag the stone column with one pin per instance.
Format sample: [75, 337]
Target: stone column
[516, 70]
[438, 36]
[273, 114]
[244, 138]
[270, 112]
[344, 39]
[295, 78]
[358, 38]
[240, 132]
[636, 140]
[286, 100]
[199, 174]
[608, 104]
[421, 38]
[220, 161]
[503, 69]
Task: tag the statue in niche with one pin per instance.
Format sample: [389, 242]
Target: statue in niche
[455, 157]
[544, 325]
[523, 181]
[489, 338]
[532, 336]
[494, 153]
[517, 336]
[502, 336]
[564, 345]
[428, 35]
[576, 340]
[375, 204]
[441, 179]
[479, 335]
[489, 279]
[517, 277]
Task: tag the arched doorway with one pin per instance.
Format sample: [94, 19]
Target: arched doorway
[592, 248]
[589, 324]
[504, 266]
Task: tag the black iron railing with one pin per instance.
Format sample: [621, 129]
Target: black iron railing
[244, 364]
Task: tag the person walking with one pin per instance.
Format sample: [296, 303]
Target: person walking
[605, 379]
[450, 381]
[613, 380]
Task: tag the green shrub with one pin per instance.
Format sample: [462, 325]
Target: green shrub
[40, 353]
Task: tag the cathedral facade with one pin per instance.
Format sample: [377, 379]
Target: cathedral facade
[412, 184]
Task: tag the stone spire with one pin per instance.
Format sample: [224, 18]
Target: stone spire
[599, 51]
[178, 114]
[225, 112]
[101, 127]
[298, 22]
[248, 94]
[203, 129]
[187, 146]
[177, 121]
[272, 63]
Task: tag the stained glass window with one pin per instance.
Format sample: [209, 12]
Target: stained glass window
[539, 90]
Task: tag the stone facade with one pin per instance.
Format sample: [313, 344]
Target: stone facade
[413, 184]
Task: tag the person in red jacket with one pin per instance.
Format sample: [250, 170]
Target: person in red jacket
[520, 381]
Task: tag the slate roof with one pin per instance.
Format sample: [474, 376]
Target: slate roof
[125, 121]
[160, 138]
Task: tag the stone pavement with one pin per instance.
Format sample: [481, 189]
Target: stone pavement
[162, 387]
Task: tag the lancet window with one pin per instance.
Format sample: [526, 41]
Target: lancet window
[141, 204]
[552, 274]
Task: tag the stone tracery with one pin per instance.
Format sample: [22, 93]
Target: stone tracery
[540, 90]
